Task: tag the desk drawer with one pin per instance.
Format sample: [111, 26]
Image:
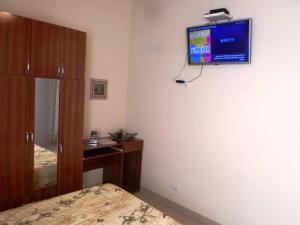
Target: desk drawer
[132, 146]
[93, 163]
[100, 152]
[96, 158]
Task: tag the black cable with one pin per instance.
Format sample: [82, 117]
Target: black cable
[181, 81]
[182, 68]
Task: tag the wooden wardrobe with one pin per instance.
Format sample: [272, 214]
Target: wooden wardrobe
[31, 51]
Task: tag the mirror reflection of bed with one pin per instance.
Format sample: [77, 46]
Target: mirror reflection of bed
[46, 132]
[45, 167]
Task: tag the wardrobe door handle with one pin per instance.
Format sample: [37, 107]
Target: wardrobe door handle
[27, 137]
[62, 71]
[58, 71]
[28, 67]
[32, 137]
[60, 148]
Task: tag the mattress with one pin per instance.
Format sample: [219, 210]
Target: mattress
[45, 167]
[104, 205]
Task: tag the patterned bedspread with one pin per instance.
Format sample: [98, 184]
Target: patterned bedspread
[102, 205]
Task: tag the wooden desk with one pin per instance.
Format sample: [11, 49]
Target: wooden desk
[121, 162]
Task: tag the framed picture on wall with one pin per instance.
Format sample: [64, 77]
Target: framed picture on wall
[98, 89]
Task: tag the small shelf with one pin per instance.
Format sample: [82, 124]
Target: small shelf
[216, 17]
[100, 152]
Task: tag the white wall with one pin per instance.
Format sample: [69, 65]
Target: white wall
[107, 24]
[231, 140]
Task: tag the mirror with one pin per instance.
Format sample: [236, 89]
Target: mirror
[46, 132]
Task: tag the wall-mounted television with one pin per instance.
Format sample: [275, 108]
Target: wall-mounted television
[220, 43]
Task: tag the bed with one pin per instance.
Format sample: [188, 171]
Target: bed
[45, 167]
[102, 205]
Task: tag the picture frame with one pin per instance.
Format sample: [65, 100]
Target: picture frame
[98, 89]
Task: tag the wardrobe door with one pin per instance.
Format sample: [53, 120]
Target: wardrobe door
[73, 53]
[14, 44]
[70, 136]
[45, 49]
[15, 141]
[4, 127]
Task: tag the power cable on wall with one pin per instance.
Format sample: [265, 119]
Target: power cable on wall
[183, 81]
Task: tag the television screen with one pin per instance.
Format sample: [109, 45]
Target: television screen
[220, 43]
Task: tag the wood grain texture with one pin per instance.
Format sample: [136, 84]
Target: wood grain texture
[14, 44]
[132, 145]
[44, 193]
[132, 171]
[70, 136]
[73, 54]
[46, 43]
[93, 163]
[4, 127]
[113, 170]
[132, 164]
[14, 150]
